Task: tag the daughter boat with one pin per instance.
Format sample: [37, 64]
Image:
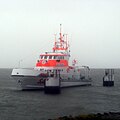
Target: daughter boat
[58, 59]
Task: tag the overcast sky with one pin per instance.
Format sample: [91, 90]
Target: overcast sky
[27, 28]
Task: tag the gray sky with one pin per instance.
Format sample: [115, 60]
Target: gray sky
[27, 28]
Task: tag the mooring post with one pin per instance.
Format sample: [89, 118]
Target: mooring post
[108, 78]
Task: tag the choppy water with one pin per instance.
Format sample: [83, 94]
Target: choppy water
[35, 105]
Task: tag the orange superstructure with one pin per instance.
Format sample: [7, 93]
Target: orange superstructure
[60, 55]
[52, 63]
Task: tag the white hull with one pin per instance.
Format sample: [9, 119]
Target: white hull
[28, 83]
[29, 79]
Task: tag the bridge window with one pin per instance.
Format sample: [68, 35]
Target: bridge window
[54, 57]
[60, 57]
[45, 57]
[41, 57]
[50, 57]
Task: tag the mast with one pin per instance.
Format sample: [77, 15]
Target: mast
[60, 35]
[62, 43]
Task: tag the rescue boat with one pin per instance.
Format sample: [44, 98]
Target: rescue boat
[58, 59]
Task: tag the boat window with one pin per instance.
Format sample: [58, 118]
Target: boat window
[60, 57]
[54, 57]
[41, 57]
[45, 57]
[65, 57]
[50, 57]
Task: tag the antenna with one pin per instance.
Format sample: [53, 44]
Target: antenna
[55, 40]
[60, 35]
[60, 28]
[62, 43]
[19, 63]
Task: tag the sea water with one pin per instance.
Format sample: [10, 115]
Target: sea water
[35, 105]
